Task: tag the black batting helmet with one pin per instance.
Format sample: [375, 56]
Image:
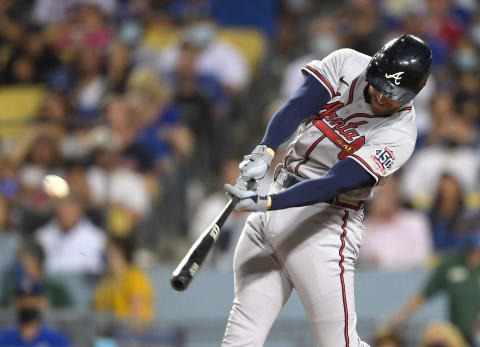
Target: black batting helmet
[399, 70]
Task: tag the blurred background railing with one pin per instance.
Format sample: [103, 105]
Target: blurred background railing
[198, 316]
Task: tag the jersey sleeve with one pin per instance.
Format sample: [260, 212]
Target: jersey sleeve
[329, 70]
[384, 152]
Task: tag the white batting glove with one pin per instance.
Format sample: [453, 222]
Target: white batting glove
[255, 165]
[249, 200]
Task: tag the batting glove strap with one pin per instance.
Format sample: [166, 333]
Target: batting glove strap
[248, 200]
[256, 164]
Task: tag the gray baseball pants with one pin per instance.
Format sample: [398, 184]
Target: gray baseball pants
[312, 249]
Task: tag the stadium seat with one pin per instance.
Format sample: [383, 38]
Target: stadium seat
[250, 42]
[17, 106]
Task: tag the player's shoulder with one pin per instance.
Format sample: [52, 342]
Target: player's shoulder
[345, 62]
[342, 56]
[396, 131]
[401, 122]
[351, 54]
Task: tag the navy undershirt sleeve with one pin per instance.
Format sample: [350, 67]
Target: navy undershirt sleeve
[308, 99]
[344, 176]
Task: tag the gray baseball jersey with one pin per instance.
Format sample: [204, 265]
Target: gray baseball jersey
[314, 248]
[346, 126]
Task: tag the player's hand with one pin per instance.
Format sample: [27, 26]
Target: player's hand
[255, 165]
[249, 199]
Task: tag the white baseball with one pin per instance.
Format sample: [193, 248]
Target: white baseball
[55, 186]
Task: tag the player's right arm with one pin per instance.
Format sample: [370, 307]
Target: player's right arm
[384, 153]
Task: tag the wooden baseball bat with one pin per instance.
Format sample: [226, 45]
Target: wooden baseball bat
[190, 264]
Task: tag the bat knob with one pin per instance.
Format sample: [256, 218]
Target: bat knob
[179, 283]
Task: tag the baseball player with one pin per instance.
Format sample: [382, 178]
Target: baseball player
[356, 127]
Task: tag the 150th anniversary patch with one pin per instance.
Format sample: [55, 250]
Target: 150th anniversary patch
[383, 158]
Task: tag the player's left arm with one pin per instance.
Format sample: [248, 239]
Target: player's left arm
[309, 98]
[344, 176]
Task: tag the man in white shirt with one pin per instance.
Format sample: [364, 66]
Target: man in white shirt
[72, 243]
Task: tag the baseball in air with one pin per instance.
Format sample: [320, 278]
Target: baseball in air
[55, 186]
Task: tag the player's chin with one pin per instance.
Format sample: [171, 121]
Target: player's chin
[379, 110]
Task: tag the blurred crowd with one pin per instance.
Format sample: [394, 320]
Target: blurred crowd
[145, 107]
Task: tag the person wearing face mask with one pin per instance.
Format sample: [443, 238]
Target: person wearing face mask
[30, 331]
[323, 39]
[465, 57]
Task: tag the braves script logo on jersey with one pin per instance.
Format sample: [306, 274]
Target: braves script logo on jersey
[339, 125]
[396, 76]
[383, 158]
[340, 131]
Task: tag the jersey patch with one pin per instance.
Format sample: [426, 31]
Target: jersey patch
[383, 158]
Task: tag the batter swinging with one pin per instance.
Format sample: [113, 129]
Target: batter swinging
[357, 126]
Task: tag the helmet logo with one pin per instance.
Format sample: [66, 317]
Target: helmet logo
[396, 76]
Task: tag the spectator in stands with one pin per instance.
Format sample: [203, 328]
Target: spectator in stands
[91, 83]
[216, 57]
[442, 334]
[55, 107]
[9, 239]
[9, 180]
[30, 331]
[203, 105]
[37, 155]
[445, 212]
[114, 186]
[76, 176]
[34, 51]
[71, 241]
[395, 238]
[160, 135]
[442, 22]
[14, 16]
[126, 292]
[447, 147]
[119, 67]
[323, 40]
[30, 262]
[458, 275]
[364, 31]
[388, 338]
[84, 28]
